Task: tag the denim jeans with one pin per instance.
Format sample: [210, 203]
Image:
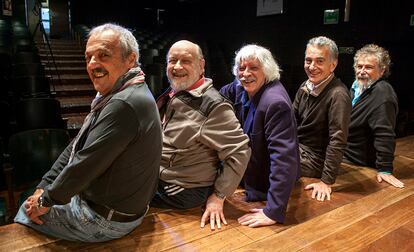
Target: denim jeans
[75, 221]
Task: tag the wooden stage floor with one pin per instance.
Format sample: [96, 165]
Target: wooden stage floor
[363, 215]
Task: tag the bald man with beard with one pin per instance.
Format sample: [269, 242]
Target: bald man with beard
[205, 151]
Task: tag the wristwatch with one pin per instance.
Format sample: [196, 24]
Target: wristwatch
[220, 195]
[40, 201]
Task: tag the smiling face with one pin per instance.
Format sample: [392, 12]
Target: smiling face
[185, 65]
[367, 70]
[251, 76]
[318, 64]
[104, 61]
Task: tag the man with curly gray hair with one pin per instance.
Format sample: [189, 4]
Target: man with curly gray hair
[371, 140]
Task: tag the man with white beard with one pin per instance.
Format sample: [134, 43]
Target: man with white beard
[371, 139]
[205, 151]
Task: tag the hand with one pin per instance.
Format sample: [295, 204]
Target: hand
[214, 210]
[33, 211]
[389, 178]
[256, 218]
[320, 191]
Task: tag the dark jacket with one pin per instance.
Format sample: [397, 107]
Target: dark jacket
[371, 140]
[274, 164]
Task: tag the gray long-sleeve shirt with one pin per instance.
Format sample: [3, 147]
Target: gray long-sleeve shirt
[118, 164]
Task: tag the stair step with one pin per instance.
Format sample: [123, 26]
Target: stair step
[65, 63]
[64, 57]
[74, 90]
[68, 79]
[56, 42]
[61, 51]
[75, 104]
[75, 120]
[78, 70]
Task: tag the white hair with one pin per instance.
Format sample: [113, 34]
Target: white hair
[271, 69]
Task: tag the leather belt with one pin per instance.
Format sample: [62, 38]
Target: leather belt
[112, 214]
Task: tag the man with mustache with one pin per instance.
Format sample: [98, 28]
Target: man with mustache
[205, 152]
[322, 107]
[100, 186]
[371, 140]
[265, 111]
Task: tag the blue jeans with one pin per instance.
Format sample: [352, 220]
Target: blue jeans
[75, 221]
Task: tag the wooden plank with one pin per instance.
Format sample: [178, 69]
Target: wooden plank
[399, 240]
[324, 225]
[16, 237]
[366, 231]
[404, 146]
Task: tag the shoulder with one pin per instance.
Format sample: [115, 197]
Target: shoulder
[384, 86]
[384, 92]
[275, 95]
[337, 89]
[135, 97]
[212, 99]
[205, 102]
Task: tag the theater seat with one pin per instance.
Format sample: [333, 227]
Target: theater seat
[33, 152]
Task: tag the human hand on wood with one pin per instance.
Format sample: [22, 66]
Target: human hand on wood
[256, 218]
[214, 210]
[320, 191]
[389, 178]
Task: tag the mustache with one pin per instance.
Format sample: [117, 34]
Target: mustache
[247, 79]
[99, 70]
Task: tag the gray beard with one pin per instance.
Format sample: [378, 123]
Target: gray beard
[180, 86]
[362, 86]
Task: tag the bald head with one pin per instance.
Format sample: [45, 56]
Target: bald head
[185, 64]
[189, 46]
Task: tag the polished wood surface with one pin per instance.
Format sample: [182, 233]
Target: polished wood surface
[362, 215]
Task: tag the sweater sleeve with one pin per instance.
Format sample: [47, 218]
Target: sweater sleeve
[222, 132]
[382, 122]
[338, 118]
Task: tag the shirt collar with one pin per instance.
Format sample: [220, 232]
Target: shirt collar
[316, 90]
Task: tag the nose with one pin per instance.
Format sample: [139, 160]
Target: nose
[92, 61]
[177, 65]
[246, 72]
[312, 65]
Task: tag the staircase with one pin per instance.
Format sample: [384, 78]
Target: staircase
[70, 83]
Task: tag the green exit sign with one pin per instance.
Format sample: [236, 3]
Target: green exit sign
[412, 20]
[331, 16]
